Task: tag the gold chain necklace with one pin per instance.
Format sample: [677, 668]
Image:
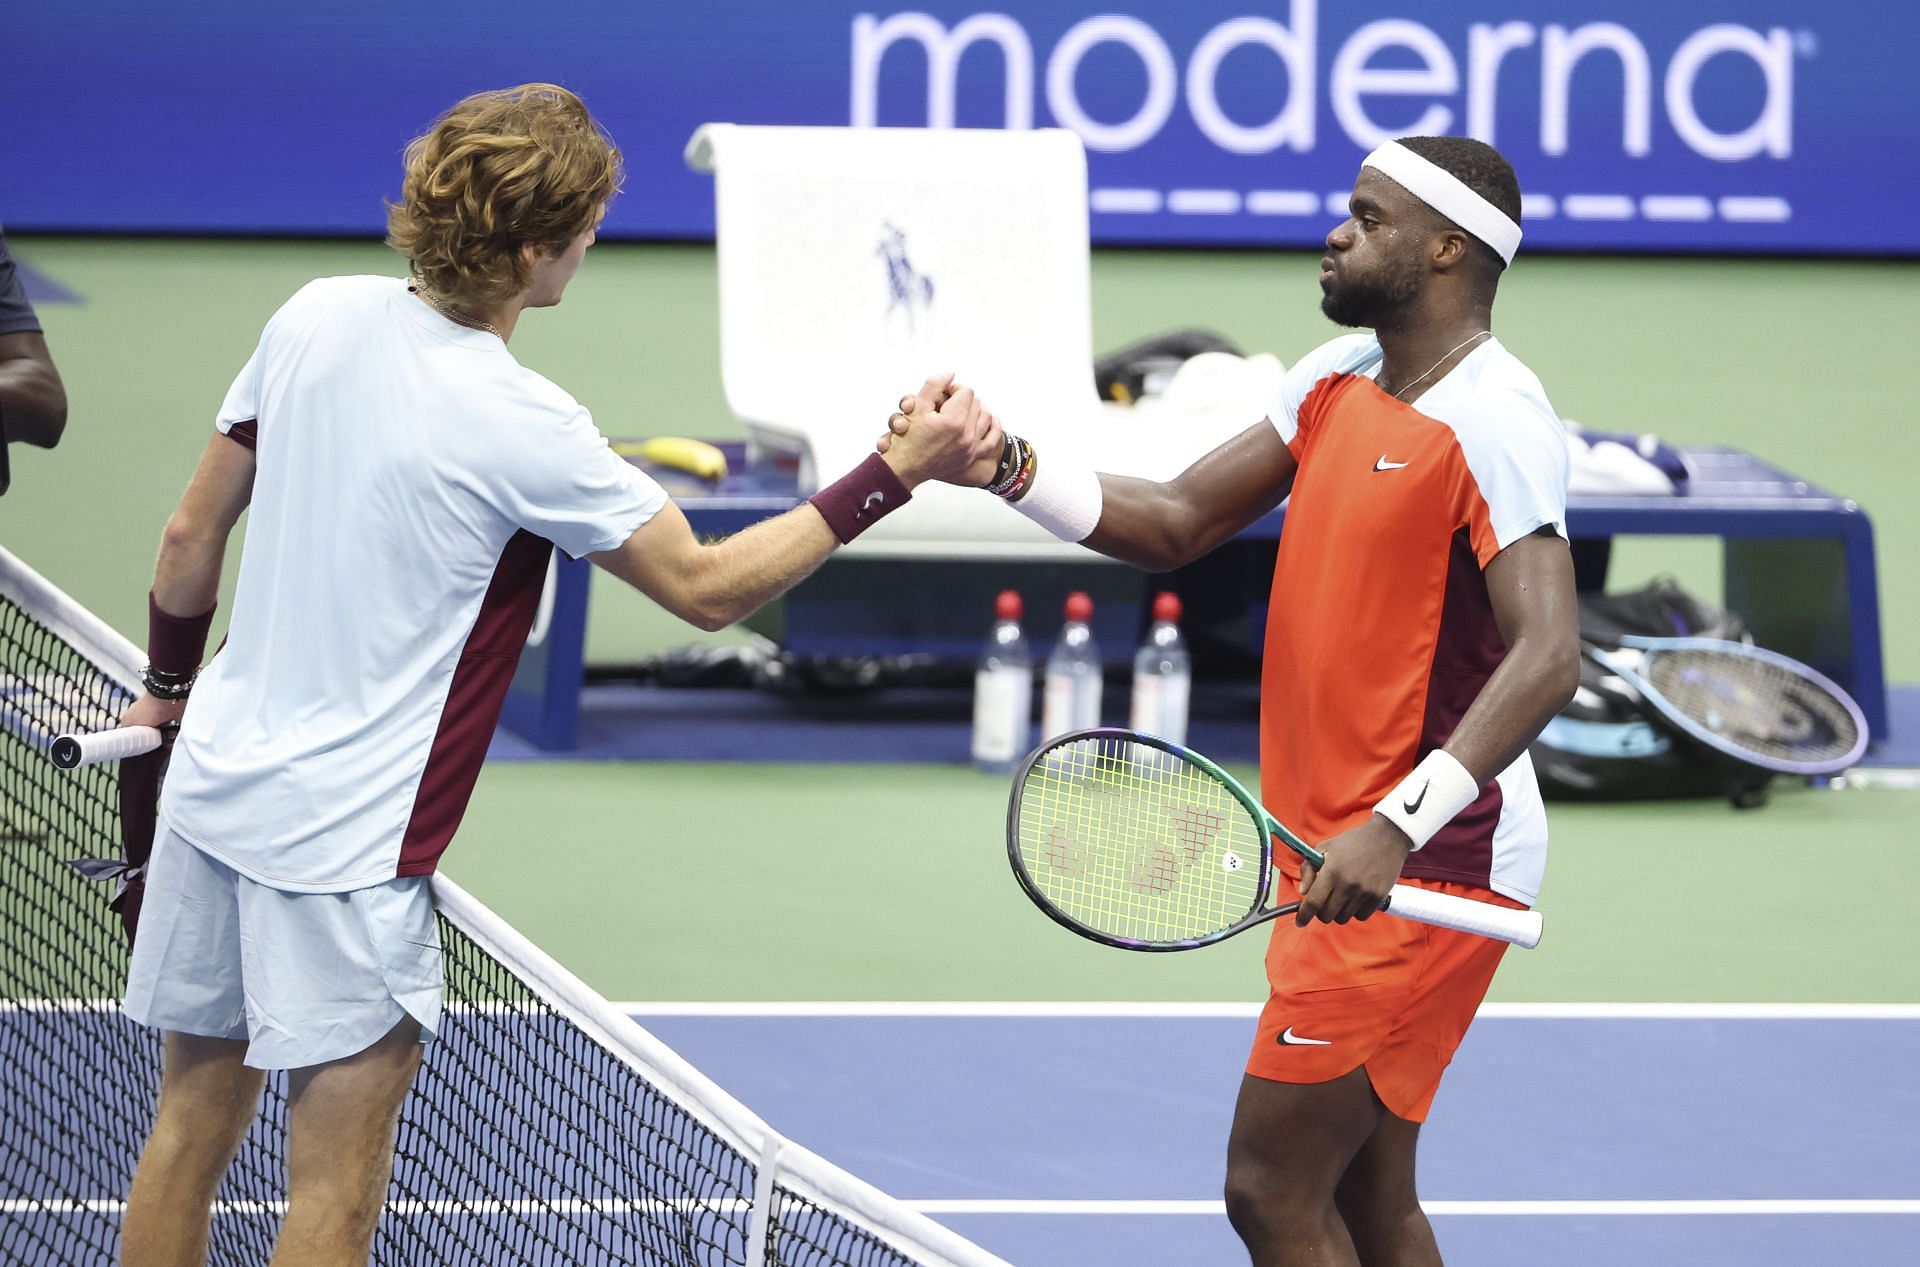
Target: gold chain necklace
[1478, 334]
[419, 287]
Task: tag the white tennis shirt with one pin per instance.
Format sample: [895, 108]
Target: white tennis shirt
[412, 481]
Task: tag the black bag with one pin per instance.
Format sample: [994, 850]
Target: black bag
[1608, 746]
[1145, 368]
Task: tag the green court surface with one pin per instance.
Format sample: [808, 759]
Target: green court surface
[794, 882]
[806, 882]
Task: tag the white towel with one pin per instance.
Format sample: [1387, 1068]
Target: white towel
[854, 262]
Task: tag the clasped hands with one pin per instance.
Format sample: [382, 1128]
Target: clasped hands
[942, 432]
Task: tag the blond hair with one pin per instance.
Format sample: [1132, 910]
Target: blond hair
[499, 170]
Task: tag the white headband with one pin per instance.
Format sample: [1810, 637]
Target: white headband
[1447, 194]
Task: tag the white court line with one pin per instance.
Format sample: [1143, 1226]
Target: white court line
[1702, 1011]
[935, 1207]
[1488, 1011]
[1525, 1209]
[1069, 1010]
[485, 1209]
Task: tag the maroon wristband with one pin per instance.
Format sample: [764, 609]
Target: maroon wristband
[861, 498]
[176, 644]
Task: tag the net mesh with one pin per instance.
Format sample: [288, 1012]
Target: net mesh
[1758, 708]
[1136, 843]
[531, 1137]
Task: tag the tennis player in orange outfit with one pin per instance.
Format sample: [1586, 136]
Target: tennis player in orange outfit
[1422, 631]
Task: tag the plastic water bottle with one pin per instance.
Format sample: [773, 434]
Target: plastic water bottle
[1072, 699]
[1163, 675]
[1003, 690]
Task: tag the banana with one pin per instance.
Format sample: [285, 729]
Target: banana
[696, 457]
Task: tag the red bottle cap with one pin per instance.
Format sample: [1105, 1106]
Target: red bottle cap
[1007, 606]
[1079, 607]
[1166, 607]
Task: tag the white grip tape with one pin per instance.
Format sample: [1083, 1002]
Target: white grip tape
[1522, 928]
[72, 751]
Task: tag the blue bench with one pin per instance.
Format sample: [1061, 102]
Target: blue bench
[1799, 567]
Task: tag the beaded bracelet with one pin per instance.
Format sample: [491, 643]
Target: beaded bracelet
[1009, 460]
[167, 686]
[1015, 475]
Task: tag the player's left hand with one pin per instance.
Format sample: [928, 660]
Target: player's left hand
[149, 711]
[1362, 866]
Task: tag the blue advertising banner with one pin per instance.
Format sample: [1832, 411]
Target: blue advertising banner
[1720, 125]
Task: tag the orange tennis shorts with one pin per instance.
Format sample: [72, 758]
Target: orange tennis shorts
[1389, 994]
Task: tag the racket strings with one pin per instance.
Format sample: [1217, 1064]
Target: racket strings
[1135, 842]
[1756, 705]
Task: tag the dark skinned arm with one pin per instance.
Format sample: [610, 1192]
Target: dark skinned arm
[1162, 526]
[1530, 585]
[33, 401]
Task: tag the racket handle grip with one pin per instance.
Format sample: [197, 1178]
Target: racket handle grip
[72, 751]
[1503, 923]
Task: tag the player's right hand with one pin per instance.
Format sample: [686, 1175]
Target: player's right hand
[1362, 864]
[943, 444]
[932, 394]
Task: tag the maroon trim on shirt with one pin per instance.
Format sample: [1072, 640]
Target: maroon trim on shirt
[245, 434]
[1469, 649]
[474, 699]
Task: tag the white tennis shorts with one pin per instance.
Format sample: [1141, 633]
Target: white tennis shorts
[304, 978]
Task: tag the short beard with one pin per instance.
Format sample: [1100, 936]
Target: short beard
[1373, 303]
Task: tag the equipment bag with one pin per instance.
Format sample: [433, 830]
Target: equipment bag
[1606, 745]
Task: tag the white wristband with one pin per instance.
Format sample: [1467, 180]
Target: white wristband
[1064, 499]
[1428, 799]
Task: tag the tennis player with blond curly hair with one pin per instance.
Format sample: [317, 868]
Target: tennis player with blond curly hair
[408, 482]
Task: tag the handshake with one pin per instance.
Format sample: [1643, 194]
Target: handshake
[944, 433]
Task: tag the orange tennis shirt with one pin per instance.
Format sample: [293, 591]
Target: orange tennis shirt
[1379, 630]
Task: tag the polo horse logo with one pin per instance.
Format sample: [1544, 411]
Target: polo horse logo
[908, 290]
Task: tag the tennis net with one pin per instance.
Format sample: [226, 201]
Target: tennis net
[546, 1127]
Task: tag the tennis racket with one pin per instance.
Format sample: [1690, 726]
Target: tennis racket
[1134, 841]
[70, 752]
[1747, 702]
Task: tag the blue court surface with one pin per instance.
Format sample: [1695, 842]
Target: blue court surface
[1073, 1135]
[1076, 1135]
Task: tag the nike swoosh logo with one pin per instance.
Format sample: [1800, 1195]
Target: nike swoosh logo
[1290, 1039]
[1413, 806]
[874, 499]
[1384, 465]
